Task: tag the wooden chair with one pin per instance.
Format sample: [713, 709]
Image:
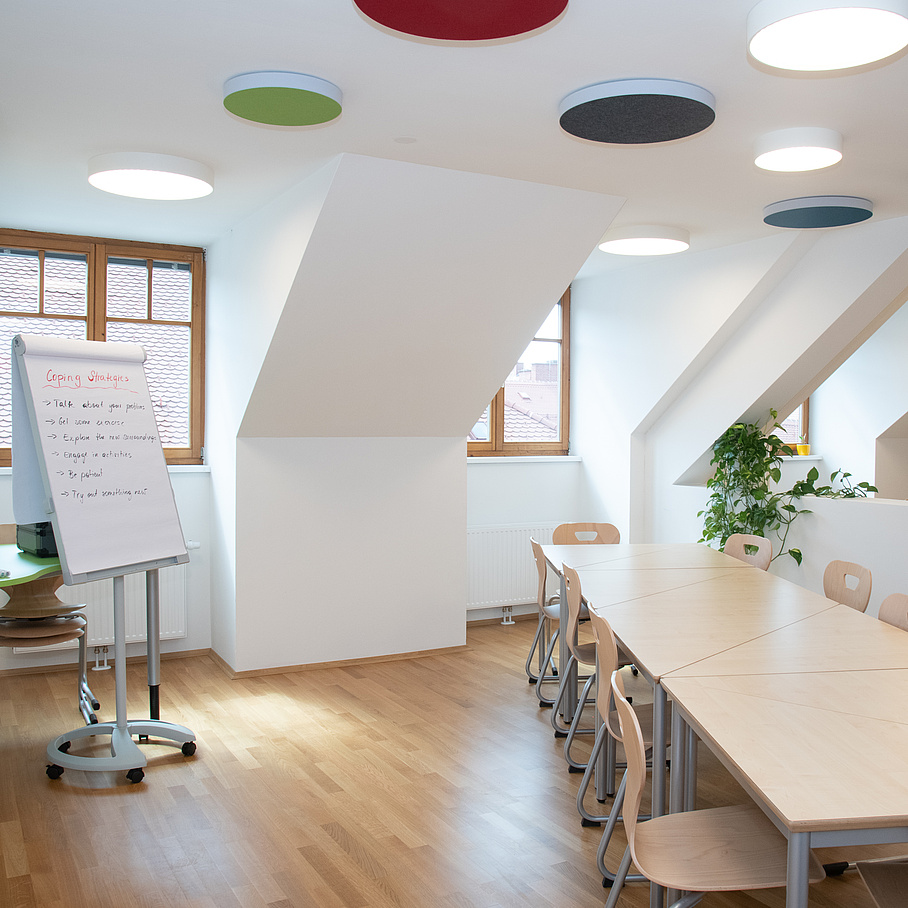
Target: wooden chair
[581, 654]
[583, 533]
[718, 850]
[546, 638]
[835, 584]
[43, 620]
[887, 882]
[894, 611]
[737, 544]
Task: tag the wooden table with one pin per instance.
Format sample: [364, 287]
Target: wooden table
[822, 752]
[797, 695]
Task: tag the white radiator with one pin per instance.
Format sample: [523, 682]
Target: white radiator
[500, 568]
[98, 599]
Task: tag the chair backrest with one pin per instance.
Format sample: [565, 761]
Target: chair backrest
[581, 533]
[607, 651]
[835, 585]
[7, 533]
[541, 572]
[737, 545]
[635, 756]
[574, 604]
[894, 610]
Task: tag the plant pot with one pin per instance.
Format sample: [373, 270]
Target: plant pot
[803, 450]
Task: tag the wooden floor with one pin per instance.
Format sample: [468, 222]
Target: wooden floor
[431, 782]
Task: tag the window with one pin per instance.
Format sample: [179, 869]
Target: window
[795, 427]
[529, 414]
[98, 289]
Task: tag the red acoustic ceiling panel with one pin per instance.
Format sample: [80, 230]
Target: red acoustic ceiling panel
[462, 20]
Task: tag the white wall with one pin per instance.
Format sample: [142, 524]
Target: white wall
[863, 400]
[414, 291]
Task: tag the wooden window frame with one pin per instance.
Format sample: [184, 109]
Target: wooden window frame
[97, 250]
[496, 446]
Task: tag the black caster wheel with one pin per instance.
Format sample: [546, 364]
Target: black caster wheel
[54, 771]
[544, 705]
[585, 822]
[635, 671]
[64, 747]
[836, 869]
[92, 719]
[188, 748]
[95, 704]
[531, 680]
[607, 883]
[561, 734]
[576, 768]
[135, 775]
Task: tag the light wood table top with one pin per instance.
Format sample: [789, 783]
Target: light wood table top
[639, 556]
[838, 639]
[811, 746]
[682, 625]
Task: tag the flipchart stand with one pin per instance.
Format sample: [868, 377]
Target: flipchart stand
[124, 752]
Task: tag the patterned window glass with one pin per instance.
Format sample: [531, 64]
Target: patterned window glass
[65, 284]
[20, 280]
[171, 291]
[127, 288]
[10, 326]
[167, 371]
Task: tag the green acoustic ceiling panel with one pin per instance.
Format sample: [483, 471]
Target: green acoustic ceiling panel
[282, 98]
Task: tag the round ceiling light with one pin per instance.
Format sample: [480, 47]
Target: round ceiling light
[282, 98]
[454, 20]
[647, 239]
[798, 149]
[637, 111]
[142, 175]
[818, 211]
[818, 35]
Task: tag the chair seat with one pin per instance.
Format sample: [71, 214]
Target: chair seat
[552, 612]
[586, 653]
[718, 850]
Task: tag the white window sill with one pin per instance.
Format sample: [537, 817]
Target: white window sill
[544, 458]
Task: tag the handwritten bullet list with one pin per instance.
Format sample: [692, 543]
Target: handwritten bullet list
[88, 436]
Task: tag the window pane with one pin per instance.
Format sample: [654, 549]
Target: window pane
[127, 288]
[551, 327]
[19, 271]
[171, 291]
[480, 431]
[65, 284]
[10, 326]
[168, 369]
[532, 396]
[792, 430]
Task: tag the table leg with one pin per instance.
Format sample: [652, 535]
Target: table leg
[797, 884]
[656, 893]
[569, 701]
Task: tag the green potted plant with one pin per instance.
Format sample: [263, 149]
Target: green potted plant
[744, 497]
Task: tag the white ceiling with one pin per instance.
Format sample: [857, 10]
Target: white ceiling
[88, 78]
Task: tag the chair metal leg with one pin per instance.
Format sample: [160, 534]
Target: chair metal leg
[560, 728]
[612, 819]
[87, 700]
[620, 877]
[532, 676]
[575, 729]
[547, 661]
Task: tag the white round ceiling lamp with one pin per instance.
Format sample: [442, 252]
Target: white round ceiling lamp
[645, 239]
[820, 35]
[798, 149]
[142, 175]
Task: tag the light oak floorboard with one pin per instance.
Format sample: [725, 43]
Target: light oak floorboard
[412, 784]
